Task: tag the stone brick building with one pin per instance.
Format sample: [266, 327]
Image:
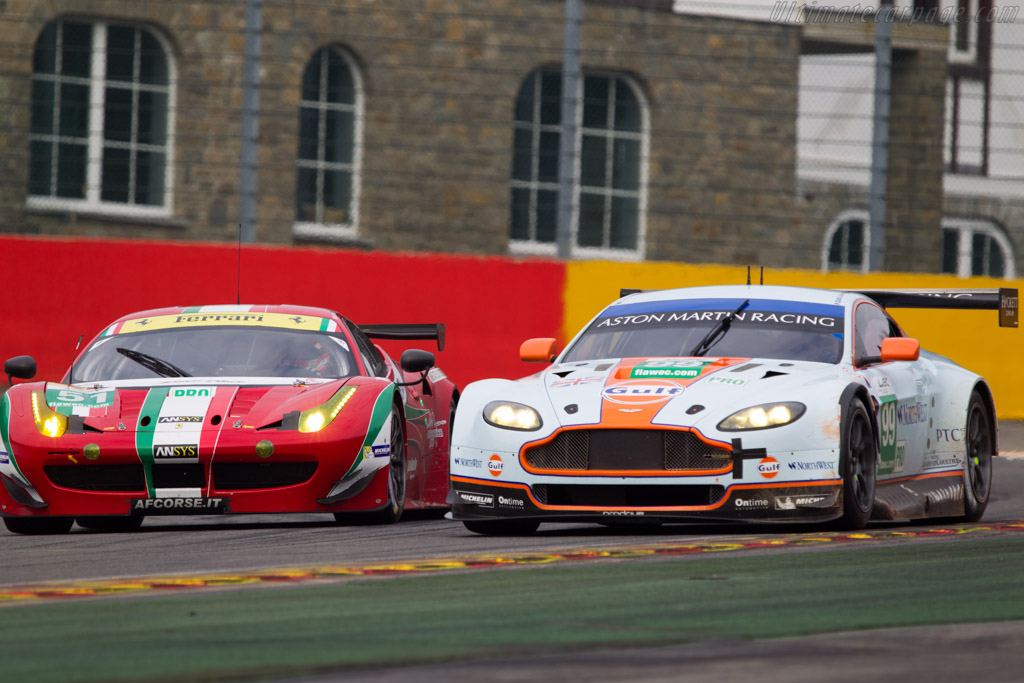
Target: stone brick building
[431, 125]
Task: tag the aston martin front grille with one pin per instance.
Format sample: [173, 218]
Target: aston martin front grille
[626, 450]
[628, 495]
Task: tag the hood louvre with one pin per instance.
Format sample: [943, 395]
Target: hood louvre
[245, 399]
[131, 402]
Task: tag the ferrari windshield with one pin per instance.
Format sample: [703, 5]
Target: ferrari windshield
[764, 328]
[239, 351]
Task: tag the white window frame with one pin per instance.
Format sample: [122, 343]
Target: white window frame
[97, 82]
[335, 231]
[971, 53]
[966, 229]
[842, 218]
[533, 247]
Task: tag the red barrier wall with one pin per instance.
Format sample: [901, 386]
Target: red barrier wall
[57, 289]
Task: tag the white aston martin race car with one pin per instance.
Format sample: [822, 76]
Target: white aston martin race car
[732, 404]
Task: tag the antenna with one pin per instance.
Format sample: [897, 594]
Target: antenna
[762, 275]
[71, 371]
[748, 276]
[238, 285]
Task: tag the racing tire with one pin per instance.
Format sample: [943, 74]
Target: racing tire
[978, 460]
[858, 464]
[110, 522]
[39, 526]
[392, 512]
[502, 527]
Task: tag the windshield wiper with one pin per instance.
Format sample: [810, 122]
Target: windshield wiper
[717, 332]
[160, 367]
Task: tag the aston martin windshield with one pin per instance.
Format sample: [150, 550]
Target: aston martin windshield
[765, 328]
[216, 352]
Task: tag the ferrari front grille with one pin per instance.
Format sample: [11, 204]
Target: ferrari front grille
[626, 450]
[246, 476]
[97, 477]
[628, 495]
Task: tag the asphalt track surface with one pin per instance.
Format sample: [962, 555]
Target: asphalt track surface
[237, 544]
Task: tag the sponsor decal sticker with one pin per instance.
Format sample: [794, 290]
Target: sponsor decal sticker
[495, 465]
[223, 317]
[768, 468]
[727, 381]
[912, 413]
[575, 382]
[813, 465]
[747, 503]
[475, 463]
[669, 369]
[179, 505]
[639, 392]
[189, 450]
[180, 418]
[622, 513]
[935, 461]
[954, 435]
[793, 502]
[514, 503]
[484, 500]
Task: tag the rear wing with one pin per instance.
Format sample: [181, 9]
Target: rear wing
[410, 331]
[1003, 300]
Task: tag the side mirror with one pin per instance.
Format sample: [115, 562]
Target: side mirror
[414, 360]
[540, 350]
[22, 367]
[900, 348]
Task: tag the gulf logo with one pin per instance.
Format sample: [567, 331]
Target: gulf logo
[495, 465]
[641, 391]
[768, 467]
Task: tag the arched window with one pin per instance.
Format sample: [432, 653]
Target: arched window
[846, 243]
[975, 247]
[612, 145]
[102, 104]
[330, 126]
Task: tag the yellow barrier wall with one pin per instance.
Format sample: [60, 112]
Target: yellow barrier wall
[971, 338]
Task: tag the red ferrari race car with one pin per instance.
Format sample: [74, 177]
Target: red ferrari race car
[227, 409]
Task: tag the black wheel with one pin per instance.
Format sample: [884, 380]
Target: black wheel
[978, 467]
[502, 527]
[396, 474]
[38, 526]
[857, 462]
[110, 522]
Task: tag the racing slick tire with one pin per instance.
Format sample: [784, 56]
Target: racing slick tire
[110, 522]
[391, 512]
[978, 460]
[39, 526]
[502, 527]
[857, 463]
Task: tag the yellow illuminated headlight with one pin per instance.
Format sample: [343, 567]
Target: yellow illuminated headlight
[764, 416]
[511, 415]
[315, 419]
[48, 422]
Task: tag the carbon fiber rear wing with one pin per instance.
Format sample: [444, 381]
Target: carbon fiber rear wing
[406, 331]
[1003, 300]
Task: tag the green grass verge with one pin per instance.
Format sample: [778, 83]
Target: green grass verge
[294, 631]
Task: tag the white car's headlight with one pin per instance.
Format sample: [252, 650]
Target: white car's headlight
[512, 415]
[764, 416]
